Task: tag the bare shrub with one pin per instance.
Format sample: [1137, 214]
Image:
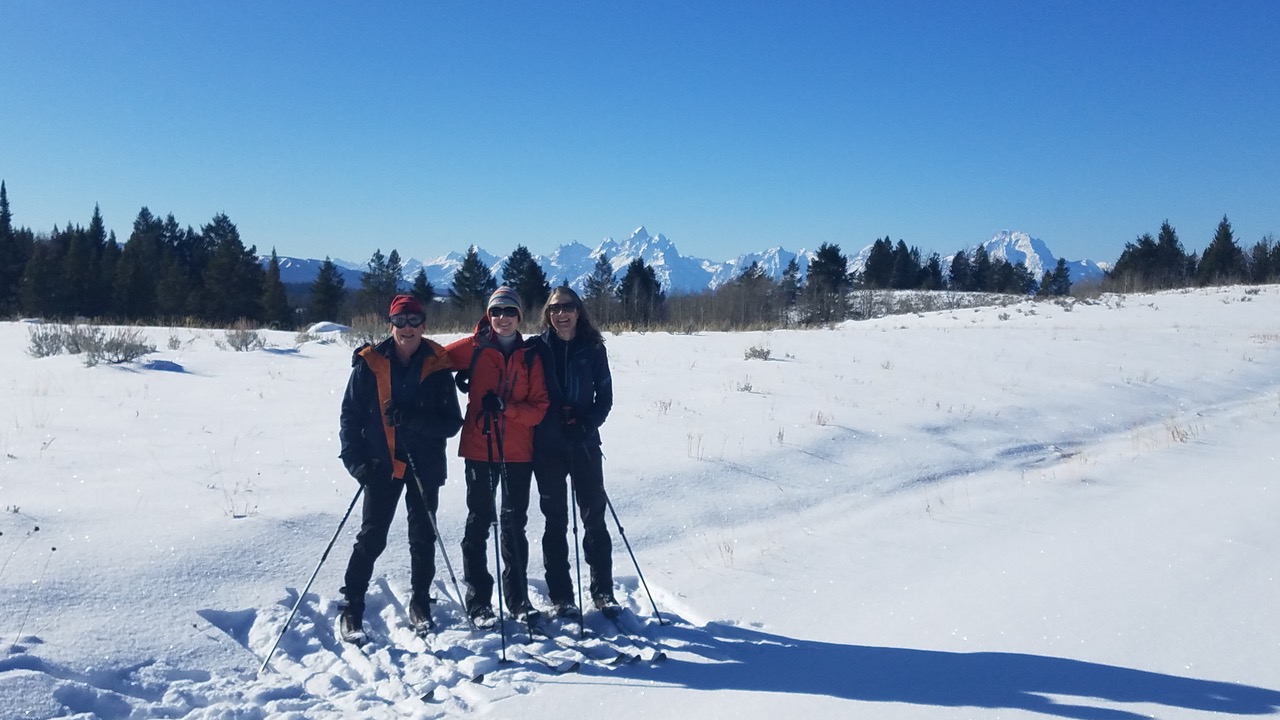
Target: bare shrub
[370, 328]
[243, 337]
[83, 339]
[303, 337]
[119, 346]
[46, 340]
[757, 352]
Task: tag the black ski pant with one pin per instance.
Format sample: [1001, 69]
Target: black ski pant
[483, 483]
[380, 499]
[584, 466]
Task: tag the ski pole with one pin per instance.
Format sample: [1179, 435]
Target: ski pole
[448, 565]
[431, 514]
[623, 533]
[490, 423]
[303, 594]
[577, 561]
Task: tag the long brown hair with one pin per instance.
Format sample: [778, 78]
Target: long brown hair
[585, 328]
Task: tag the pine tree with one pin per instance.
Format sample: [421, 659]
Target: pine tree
[379, 282]
[77, 280]
[751, 297]
[1137, 263]
[600, 291]
[1002, 277]
[980, 277]
[1260, 262]
[522, 272]
[276, 311]
[134, 289]
[790, 287]
[1169, 262]
[826, 292]
[1223, 261]
[1274, 260]
[173, 291]
[39, 281]
[102, 265]
[473, 283]
[931, 274]
[184, 257]
[1060, 279]
[961, 272]
[327, 293]
[906, 267]
[877, 272]
[108, 262]
[234, 278]
[423, 290]
[640, 294]
[13, 259]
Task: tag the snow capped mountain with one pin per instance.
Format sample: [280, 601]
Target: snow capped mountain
[1019, 247]
[674, 271]
[773, 261]
[304, 270]
[440, 271]
[574, 262]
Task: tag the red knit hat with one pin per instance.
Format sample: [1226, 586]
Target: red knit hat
[407, 304]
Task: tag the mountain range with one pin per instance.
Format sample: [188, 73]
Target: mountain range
[678, 273]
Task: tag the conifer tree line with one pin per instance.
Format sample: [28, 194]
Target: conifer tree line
[162, 271]
[169, 273]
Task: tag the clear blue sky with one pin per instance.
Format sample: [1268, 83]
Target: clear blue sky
[337, 128]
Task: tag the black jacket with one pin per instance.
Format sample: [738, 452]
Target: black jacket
[391, 413]
[578, 376]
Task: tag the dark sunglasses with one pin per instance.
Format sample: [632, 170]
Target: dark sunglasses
[504, 312]
[414, 320]
[557, 308]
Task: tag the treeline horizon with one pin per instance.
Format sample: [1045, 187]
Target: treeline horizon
[171, 274]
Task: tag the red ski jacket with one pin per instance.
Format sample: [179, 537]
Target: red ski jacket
[518, 380]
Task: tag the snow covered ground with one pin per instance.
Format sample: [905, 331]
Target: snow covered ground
[1040, 510]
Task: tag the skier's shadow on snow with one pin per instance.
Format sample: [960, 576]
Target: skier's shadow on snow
[749, 660]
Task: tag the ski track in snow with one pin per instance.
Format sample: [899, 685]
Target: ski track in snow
[456, 672]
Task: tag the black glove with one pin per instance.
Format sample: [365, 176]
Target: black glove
[492, 403]
[396, 415]
[367, 472]
[574, 431]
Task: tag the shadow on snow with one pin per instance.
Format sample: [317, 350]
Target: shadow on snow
[749, 660]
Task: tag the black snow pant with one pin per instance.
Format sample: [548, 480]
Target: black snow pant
[380, 499]
[583, 464]
[483, 482]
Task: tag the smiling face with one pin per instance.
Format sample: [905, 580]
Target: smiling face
[505, 320]
[562, 315]
[406, 331]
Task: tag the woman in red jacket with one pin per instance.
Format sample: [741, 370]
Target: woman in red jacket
[506, 398]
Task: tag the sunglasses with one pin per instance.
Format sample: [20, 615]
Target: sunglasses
[414, 320]
[557, 308]
[498, 312]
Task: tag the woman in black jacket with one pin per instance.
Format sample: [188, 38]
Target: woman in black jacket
[567, 445]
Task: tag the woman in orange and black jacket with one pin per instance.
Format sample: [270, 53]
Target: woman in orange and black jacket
[506, 398]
